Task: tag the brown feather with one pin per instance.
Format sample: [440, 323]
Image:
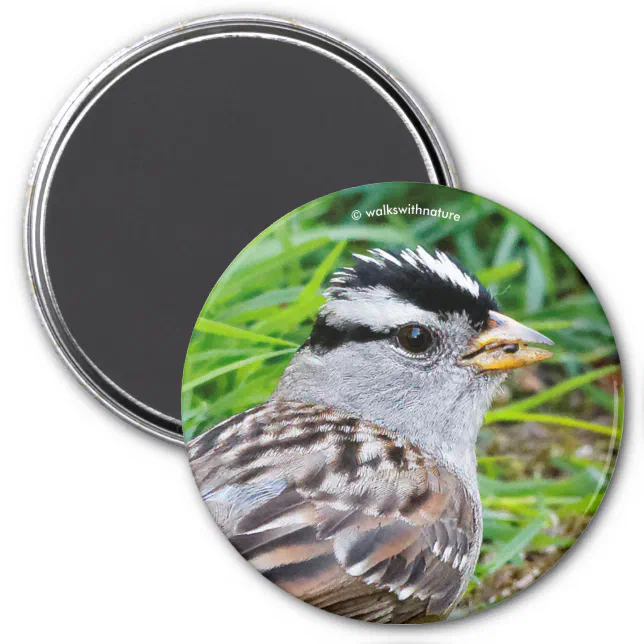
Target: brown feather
[338, 511]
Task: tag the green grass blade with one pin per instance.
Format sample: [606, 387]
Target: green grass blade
[289, 318]
[253, 391]
[215, 373]
[497, 273]
[495, 530]
[580, 484]
[549, 325]
[551, 419]
[552, 393]
[506, 246]
[431, 233]
[539, 246]
[228, 331]
[275, 297]
[383, 235]
[536, 283]
[469, 252]
[585, 357]
[601, 397]
[322, 271]
[517, 545]
[570, 307]
[252, 275]
[214, 355]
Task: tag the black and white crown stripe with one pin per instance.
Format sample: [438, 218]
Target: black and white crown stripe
[387, 289]
[376, 307]
[440, 265]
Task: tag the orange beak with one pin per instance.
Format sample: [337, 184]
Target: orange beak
[503, 346]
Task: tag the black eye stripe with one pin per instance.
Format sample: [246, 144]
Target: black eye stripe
[325, 337]
[413, 338]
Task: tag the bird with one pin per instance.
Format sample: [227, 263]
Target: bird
[354, 486]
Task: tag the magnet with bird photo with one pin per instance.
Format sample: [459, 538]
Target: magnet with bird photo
[402, 403]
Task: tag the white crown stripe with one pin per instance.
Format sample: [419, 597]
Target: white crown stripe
[386, 256]
[409, 257]
[440, 264]
[364, 258]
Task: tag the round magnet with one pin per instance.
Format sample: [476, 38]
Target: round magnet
[174, 153]
[402, 403]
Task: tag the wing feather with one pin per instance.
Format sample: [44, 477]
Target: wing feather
[338, 511]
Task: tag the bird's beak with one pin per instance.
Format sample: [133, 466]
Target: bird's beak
[503, 345]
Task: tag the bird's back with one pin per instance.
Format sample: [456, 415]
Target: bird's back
[340, 512]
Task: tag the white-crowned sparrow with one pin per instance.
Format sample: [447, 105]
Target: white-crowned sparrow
[354, 487]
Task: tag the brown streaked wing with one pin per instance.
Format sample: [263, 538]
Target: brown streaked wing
[338, 511]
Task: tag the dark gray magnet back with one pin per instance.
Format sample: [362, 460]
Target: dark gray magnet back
[173, 169]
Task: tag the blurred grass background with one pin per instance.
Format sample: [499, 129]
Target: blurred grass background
[548, 446]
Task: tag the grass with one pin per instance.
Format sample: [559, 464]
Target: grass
[546, 450]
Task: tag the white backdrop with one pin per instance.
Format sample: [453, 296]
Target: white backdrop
[104, 536]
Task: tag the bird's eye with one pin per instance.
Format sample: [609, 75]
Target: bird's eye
[414, 338]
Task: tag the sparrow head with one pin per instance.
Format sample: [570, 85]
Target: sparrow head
[413, 342]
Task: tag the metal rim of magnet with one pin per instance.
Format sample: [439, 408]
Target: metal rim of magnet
[440, 169]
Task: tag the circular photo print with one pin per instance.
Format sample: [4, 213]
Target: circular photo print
[402, 403]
